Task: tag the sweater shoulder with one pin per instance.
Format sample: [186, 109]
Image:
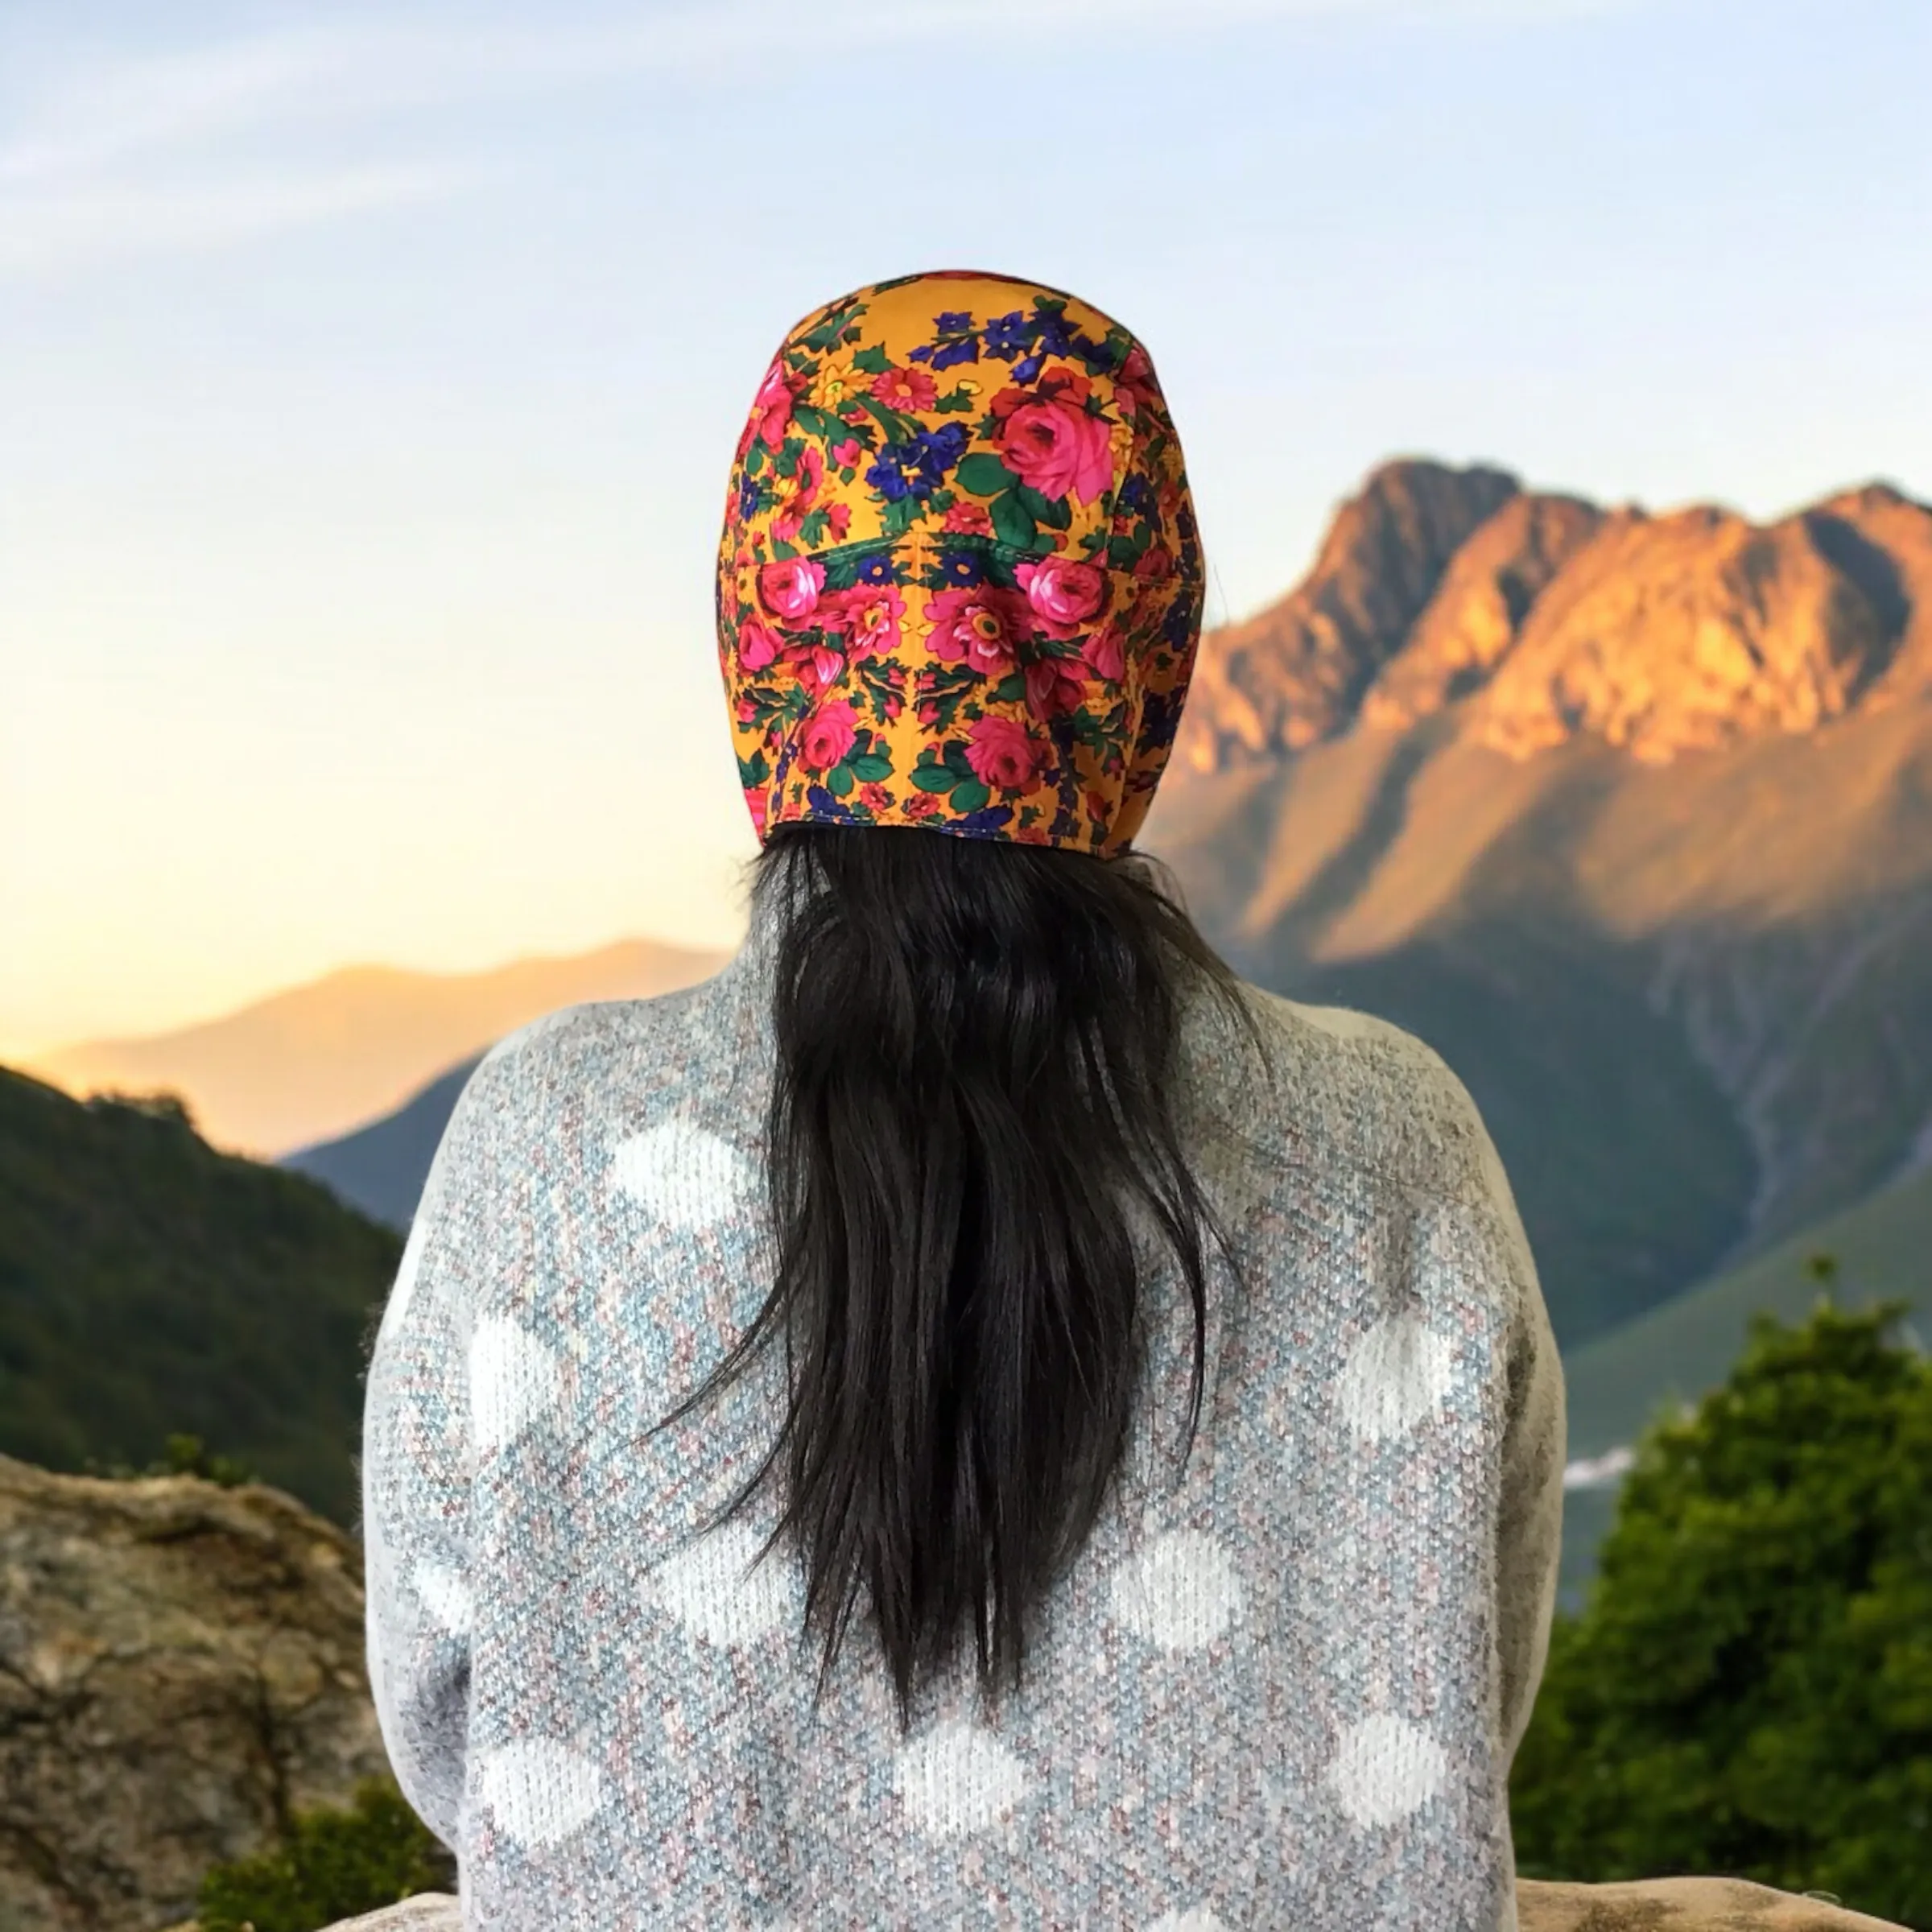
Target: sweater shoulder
[601, 1052]
[1351, 1090]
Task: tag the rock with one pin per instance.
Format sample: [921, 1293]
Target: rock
[1681, 1905]
[181, 1668]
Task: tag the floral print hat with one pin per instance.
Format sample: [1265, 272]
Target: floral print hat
[959, 584]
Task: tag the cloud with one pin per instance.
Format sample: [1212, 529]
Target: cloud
[85, 170]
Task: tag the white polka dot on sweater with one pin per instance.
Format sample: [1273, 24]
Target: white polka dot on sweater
[1395, 1375]
[1386, 1768]
[957, 1778]
[713, 1589]
[445, 1594]
[541, 1791]
[682, 1175]
[512, 1379]
[1197, 1918]
[1181, 1591]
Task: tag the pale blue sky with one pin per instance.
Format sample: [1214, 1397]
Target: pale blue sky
[367, 379]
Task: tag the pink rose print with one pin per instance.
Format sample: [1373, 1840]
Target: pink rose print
[1134, 386]
[818, 666]
[847, 454]
[1049, 440]
[789, 587]
[921, 805]
[771, 409]
[906, 388]
[1054, 685]
[757, 644]
[970, 519]
[838, 520]
[974, 625]
[828, 736]
[1155, 564]
[868, 615]
[754, 799]
[1103, 651]
[801, 493]
[1003, 754]
[874, 798]
[1064, 595]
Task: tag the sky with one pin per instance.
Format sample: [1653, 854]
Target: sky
[369, 378]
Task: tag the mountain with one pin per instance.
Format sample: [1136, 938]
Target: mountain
[319, 1060]
[150, 1285]
[380, 1168]
[1629, 817]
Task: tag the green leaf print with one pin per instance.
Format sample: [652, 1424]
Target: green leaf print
[985, 474]
[1012, 522]
[873, 360]
[970, 796]
[1053, 511]
[933, 777]
[873, 767]
[839, 780]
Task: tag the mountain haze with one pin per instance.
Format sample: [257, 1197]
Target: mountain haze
[1629, 817]
[314, 1062]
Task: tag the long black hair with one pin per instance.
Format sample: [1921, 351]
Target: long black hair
[976, 1045]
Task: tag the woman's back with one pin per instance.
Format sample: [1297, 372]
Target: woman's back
[1137, 1386]
[1281, 1689]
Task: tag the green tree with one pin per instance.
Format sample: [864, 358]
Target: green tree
[335, 1864]
[1748, 1691]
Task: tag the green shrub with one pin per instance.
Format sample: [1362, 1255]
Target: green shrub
[1749, 1690]
[335, 1864]
[184, 1455]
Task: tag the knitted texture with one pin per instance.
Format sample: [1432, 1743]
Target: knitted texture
[1280, 1688]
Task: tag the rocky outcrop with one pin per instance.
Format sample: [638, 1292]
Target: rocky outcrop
[1661, 635]
[1681, 1905]
[181, 1669]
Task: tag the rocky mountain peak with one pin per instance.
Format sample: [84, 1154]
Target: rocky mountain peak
[1545, 618]
[1296, 672]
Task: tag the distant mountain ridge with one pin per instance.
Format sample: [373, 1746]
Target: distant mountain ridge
[1660, 634]
[1629, 817]
[380, 1169]
[319, 1060]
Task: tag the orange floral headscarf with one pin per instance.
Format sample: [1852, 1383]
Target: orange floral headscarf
[959, 584]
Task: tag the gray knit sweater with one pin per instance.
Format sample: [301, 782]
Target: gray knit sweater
[1281, 1691]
